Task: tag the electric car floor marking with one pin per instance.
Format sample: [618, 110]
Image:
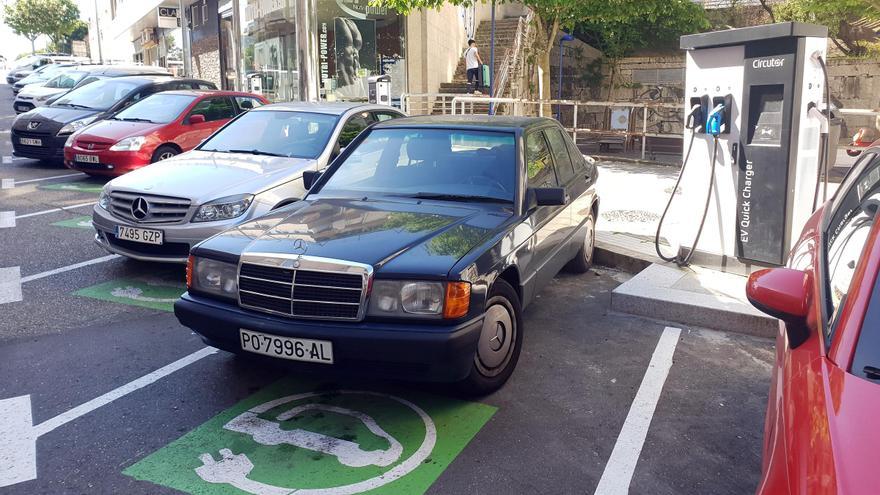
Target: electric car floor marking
[48, 178]
[54, 210]
[68, 268]
[622, 462]
[135, 292]
[18, 450]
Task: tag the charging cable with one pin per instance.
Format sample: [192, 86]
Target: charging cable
[826, 157]
[713, 126]
[814, 112]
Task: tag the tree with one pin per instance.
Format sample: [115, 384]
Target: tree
[57, 19]
[838, 16]
[620, 24]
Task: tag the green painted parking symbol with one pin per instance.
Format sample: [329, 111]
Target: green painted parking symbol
[84, 222]
[154, 295]
[80, 186]
[291, 438]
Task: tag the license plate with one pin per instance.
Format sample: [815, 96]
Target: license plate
[145, 236]
[312, 351]
[30, 141]
[86, 158]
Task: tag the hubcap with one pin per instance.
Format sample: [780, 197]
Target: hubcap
[166, 155]
[589, 240]
[496, 340]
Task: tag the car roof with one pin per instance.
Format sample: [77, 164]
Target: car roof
[329, 108]
[204, 92]
[472, 121]
[123, 70]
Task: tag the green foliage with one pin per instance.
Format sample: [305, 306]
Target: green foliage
[617, 27]
[57, 19]
[837, 15]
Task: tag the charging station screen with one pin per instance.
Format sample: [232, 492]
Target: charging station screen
[765, 119]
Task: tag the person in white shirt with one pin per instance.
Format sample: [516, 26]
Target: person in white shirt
[472, 63]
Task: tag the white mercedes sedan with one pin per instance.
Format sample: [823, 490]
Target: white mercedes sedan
[252, 165]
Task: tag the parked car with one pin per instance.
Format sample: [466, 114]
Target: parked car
[36, 95]
[252, 165]
[25, 66]
[42, 132]
[156, 128]
[42, 75]
[412, 256]
[819, 434]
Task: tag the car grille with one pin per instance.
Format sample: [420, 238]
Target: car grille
[318, 288]
[161, 209]
[47, 150]
[92, 145]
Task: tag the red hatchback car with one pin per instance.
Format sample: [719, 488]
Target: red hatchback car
[155, 128]
[821, 434]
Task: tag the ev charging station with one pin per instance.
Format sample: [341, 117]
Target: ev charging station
[755, 142]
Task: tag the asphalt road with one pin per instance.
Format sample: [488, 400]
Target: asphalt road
[81, 333]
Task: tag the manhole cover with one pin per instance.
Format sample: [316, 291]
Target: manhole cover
[631, 216]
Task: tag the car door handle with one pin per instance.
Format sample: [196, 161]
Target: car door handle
[587, 178]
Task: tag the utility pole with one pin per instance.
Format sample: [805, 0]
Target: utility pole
[98, 34]
[184, 33]
[306, 50]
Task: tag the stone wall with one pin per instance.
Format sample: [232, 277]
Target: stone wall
[206, 60]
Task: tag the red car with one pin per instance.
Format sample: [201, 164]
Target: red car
[158, 127]
[821, 434]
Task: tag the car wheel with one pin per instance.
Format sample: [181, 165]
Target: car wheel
[500, 342]
[583, 260]
[163, 153]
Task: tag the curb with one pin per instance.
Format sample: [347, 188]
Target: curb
[625, 159]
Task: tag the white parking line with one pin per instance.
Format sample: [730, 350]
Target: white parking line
[622, 464]
[18, 449]
[7, 219]
[10, 285]
[53, 210]
[49, 178]
[7, 160]
[37, 276]
[7, 183]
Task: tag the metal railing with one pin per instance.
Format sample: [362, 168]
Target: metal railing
[427, 103]
[513, 60]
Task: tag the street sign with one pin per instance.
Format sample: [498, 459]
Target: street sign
[168, 17]
[295, 437]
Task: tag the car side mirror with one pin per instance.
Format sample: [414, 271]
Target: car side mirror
[545, 196]
[310, 177]
[196, 118]
[783, 293]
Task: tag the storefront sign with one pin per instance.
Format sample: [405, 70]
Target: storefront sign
[168, 17]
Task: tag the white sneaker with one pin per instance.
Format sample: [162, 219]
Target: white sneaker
[478, 93]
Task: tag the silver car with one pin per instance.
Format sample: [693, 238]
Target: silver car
[249, 167]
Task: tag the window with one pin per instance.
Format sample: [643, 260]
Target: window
[100, 95]
[538, 162]
[383, 116]
[867, 353]
[214, 109]
[283, 133]
[354, 126]
[560, 154]
[160, 108]
[848, 232]
[204, 86]
[246, 103]
[432, 162]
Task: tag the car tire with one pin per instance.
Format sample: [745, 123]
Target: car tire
[495, 358]
[163, 153]
[583, 260]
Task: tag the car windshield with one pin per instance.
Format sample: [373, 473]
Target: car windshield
[429, 163]
[66, 80]
[160, 108]
[99, 95]
[275, 132]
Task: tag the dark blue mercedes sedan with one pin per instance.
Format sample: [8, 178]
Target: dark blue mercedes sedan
[411, 257]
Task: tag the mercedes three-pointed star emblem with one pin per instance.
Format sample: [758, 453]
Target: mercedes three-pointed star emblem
[140, 208]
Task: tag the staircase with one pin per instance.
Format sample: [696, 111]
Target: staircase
[505, 35]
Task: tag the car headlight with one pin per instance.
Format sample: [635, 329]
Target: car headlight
[44, 97]
[223, 208]
[76, 125]
[213, 277]
[70, 140]
[407, 298]
[104, 200]
[129, 144]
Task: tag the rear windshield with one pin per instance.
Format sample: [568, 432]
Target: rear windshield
[270, 132]
[429, 162]
[100, 95]
[160, 108]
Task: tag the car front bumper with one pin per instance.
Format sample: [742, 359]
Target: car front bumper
[52, 147]
[400, 351]
[111, 163]
[178, 238]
